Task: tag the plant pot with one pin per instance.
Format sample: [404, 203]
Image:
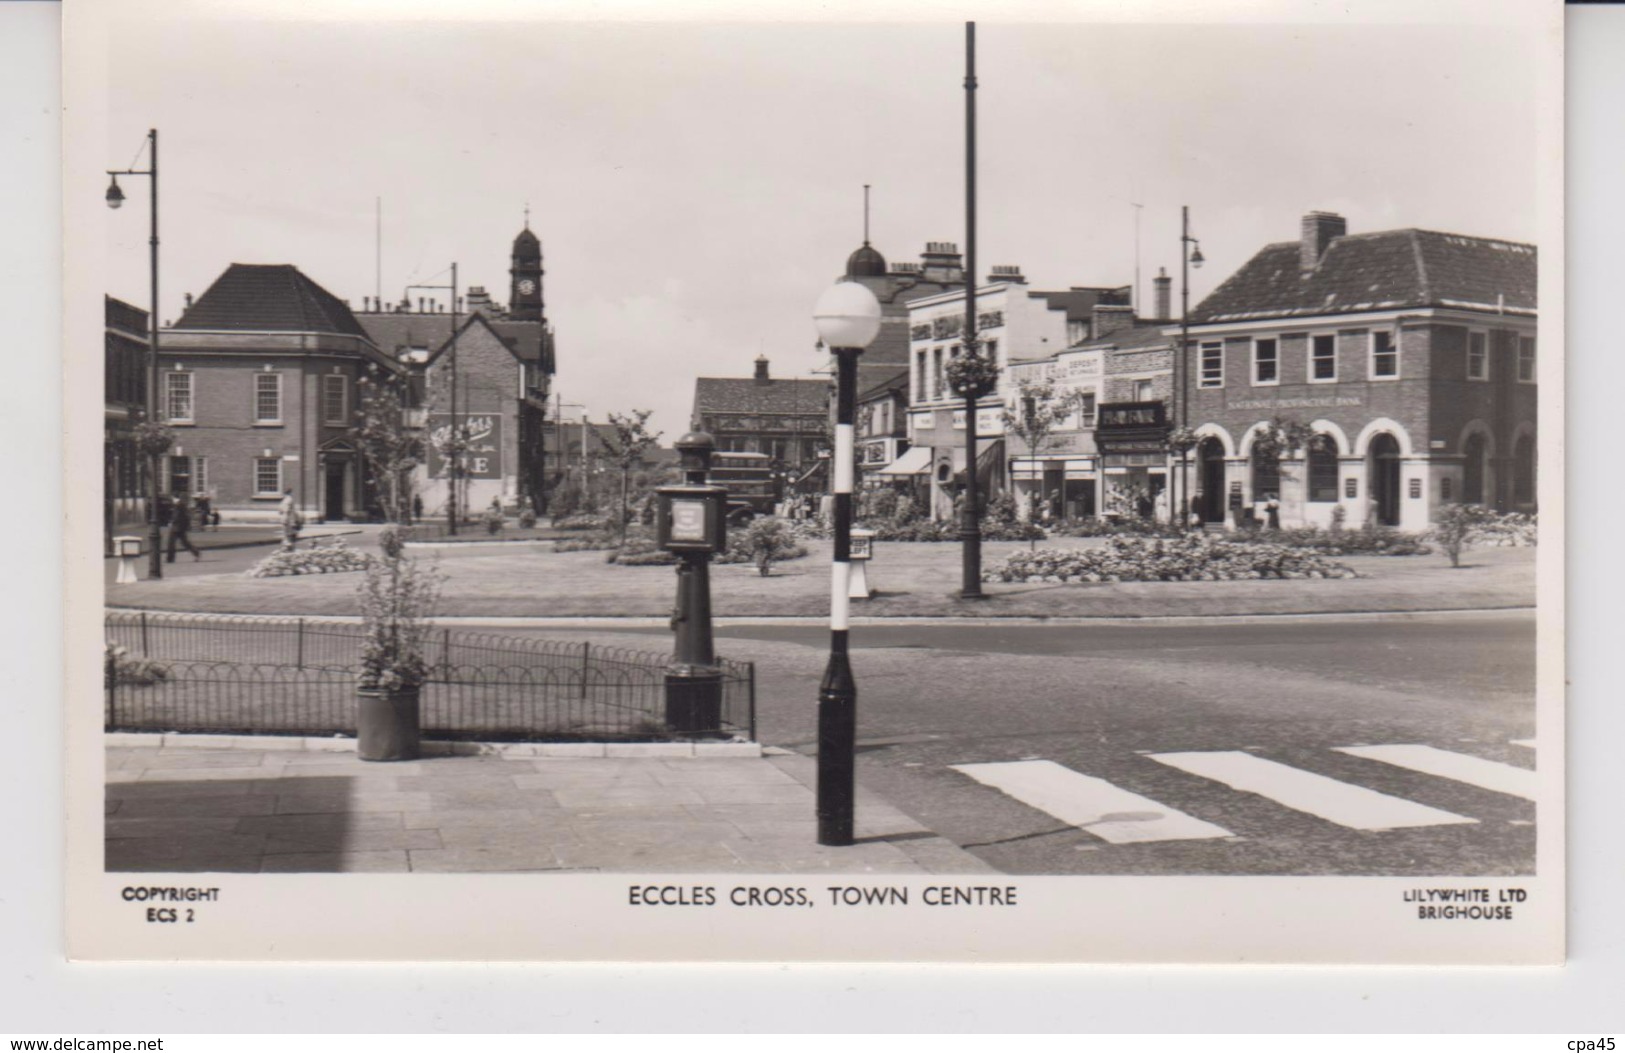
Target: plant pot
[386, 724]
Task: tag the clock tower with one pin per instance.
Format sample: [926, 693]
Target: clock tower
[525, 294]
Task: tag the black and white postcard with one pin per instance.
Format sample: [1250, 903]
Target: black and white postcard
[551, 494]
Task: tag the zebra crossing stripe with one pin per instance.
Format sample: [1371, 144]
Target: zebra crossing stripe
[1474, 771]
[1338, 802]
[1093, 805]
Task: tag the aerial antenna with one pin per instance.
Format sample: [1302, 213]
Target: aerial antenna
[866, 213]
[378, 254]
[527, 215]
[1134, 294]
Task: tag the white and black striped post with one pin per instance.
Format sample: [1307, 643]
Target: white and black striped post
[848, 317]
[838, 693]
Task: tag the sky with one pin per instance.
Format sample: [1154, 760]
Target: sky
[696, 186]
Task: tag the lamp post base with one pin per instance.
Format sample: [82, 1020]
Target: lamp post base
[837, 745]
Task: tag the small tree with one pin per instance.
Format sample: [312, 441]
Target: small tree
[389, 447]
[1034, 418]
[626, 447]
[1282, 437]
[1451, 529]
[767, 540]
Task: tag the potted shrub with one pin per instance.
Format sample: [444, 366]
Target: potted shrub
[397, 596]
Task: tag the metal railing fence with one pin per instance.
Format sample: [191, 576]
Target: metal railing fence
[228, 674]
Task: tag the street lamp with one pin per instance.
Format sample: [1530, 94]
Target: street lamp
[1190, 255]
[115, 198]
[848, 318]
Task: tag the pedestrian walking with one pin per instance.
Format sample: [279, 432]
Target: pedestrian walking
[180, 524]
[292, 521]
[1272, 512]
[417, 507]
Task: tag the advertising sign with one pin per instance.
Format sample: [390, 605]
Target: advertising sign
[481, 458]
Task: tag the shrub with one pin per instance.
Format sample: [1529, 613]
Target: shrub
[1195, 557]
[396, 597]
[1371, 540]
[765, 541]
[333, 558]
[1450, 528]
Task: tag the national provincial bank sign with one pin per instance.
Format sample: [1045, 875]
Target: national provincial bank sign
[483, 457]
[1323, 402]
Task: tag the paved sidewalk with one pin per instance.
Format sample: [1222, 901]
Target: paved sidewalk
[249, 810]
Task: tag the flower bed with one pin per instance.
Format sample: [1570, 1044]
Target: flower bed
[1369, 540]
[334, 558]
[1194, 558]
[1496, 530]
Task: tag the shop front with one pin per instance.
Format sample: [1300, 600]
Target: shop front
[1133, 442]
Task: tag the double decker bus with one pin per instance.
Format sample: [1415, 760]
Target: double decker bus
[748, 478]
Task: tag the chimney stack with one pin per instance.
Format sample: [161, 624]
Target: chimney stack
[761, 370]
[1109, 318]
[188, 301]
[941, 262]
[1164, 298]
[1319, 228]
[1006, 273]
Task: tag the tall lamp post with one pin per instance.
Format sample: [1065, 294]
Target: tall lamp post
[848, 319]
[115, 198]
[971, 375]
[1190, 255]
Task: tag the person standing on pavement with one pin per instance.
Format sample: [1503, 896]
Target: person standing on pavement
[288, 511]
[180, 524]
[1272, 512]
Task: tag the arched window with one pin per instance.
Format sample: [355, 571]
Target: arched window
[1322, 468]
[1523, 470]
[1472, 476]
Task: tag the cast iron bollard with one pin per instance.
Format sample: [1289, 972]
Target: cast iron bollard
[691, 526]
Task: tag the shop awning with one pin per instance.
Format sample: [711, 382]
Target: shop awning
[916, 460]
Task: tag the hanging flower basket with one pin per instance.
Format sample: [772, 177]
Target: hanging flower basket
[972, 375]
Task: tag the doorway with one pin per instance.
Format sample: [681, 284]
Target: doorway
[333, 492]
[1383, 465]
[1211, 455]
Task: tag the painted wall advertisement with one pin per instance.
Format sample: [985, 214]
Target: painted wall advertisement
[483, 457]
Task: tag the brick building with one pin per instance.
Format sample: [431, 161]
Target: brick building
[787, 419]
[504, 361]
[258, 379]
[1409, 353]
[124, 488]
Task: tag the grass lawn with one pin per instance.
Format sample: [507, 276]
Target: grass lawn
[913, 579]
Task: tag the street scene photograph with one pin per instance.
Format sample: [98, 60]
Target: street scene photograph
[955, 450]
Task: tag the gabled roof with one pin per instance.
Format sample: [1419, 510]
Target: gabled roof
[277, 297]
[1387, 270]
[1141, 335]
[467, 323]
[396, 331]
[747, 395]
